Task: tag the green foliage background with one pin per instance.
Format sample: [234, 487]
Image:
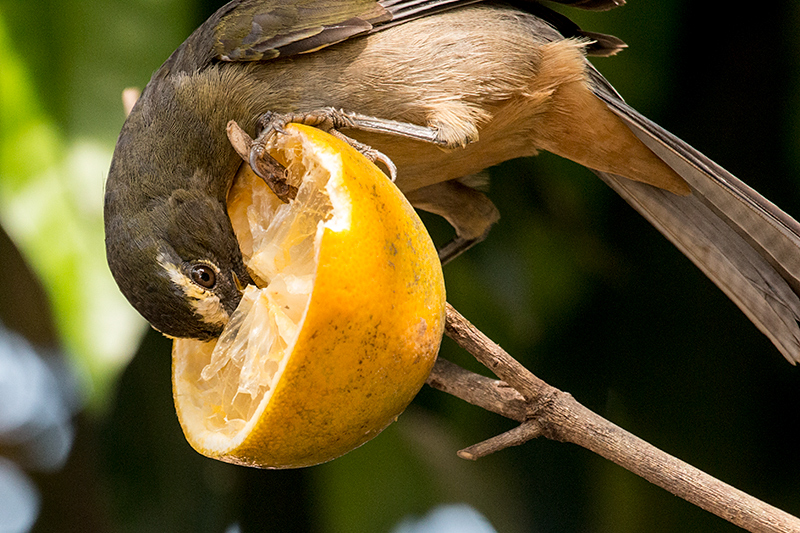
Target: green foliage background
[571, 281]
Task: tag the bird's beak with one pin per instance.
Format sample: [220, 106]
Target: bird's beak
[238, 283]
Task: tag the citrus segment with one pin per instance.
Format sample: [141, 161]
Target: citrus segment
[343, 328]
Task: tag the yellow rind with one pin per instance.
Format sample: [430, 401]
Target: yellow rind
[370, 335]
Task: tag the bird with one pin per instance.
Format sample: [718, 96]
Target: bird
[443, 89]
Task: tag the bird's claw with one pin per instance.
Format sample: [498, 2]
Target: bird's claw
[375, 156]
[265, 166]
[255, 153]
[327, 119]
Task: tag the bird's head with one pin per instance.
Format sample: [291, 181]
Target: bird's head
[178, 263]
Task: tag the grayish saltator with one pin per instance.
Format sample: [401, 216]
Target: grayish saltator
[484, 82]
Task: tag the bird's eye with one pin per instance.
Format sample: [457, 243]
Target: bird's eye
[204, 276]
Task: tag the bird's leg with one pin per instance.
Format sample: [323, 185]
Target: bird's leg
[468, 210]
[332, 120]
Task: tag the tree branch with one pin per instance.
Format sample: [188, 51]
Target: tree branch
[547, 411]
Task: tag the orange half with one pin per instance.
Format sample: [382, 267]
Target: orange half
[343, 328]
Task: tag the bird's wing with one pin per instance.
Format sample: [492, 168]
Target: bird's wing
[258, 30]
[742, 242]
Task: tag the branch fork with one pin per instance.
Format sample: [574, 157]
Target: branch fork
[543, 410]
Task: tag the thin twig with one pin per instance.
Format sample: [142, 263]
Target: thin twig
[519, 435]
[547, 411]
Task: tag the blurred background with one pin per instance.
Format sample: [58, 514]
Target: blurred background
[571, 281]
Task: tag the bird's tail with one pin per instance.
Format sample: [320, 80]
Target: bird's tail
[745, 244]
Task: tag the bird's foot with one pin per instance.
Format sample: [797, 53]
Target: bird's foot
[327, 119]
[264, 165]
